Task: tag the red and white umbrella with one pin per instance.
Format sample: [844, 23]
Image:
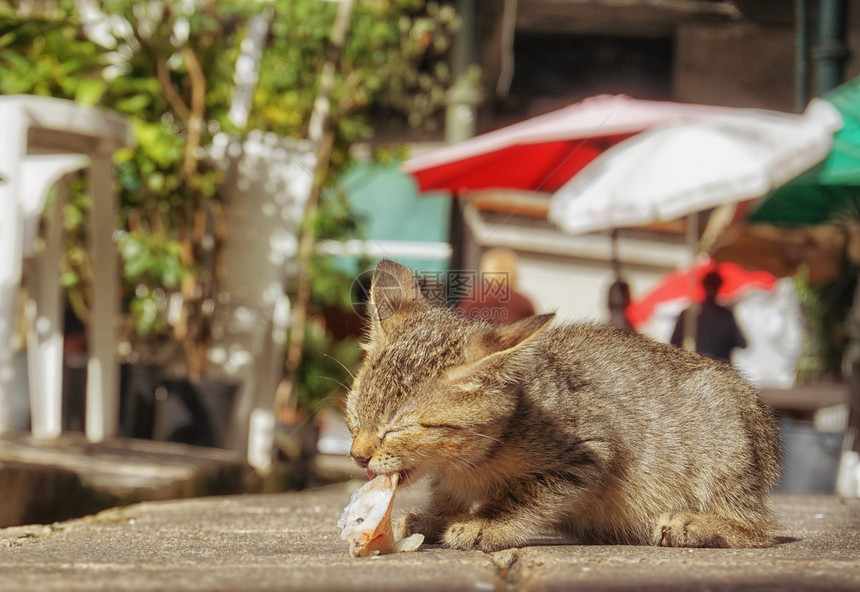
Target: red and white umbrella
[676, 170]
[544, 152]
[674, 289]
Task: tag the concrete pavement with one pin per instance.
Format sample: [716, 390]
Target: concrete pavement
[290, 541]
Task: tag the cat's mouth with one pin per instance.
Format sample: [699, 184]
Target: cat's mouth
[404, 476]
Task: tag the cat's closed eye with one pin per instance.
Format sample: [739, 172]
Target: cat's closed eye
[392, 430]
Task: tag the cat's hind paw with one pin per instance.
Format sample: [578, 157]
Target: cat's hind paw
[686, 529]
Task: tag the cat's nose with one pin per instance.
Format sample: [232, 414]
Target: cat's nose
[362, 448]
[362, 461]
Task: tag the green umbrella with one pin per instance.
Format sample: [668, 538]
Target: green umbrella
[830, 191]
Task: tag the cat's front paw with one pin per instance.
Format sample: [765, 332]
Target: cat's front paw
[478, 535]
[418, 523]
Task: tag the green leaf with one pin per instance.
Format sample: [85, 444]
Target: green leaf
[130, 247]
[134, 104]
[90, 91]
[155, 182]
[170, 273]
[73, 218]
[135, 268]
[15, 60]
[123, 155]
[69, 279]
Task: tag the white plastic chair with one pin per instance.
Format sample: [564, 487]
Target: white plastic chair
[41, 141]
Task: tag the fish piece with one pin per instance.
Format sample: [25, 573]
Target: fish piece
[366, 521]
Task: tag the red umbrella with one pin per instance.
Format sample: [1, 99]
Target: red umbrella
[543, 153]
[676, 286]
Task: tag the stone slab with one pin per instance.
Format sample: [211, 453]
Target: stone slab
[290, 541]
[47, 480]
[818, 548]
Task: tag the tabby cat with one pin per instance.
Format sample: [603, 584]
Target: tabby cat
[582, 431]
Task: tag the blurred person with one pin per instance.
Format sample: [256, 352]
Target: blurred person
[494, 297]
[717, 330]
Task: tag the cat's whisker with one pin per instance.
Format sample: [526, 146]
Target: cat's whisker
[334, 380]
[341, 364]
[324, 401]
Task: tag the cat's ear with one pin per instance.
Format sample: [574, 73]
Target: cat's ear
[500, 355]
[506, 338]
[393, 289]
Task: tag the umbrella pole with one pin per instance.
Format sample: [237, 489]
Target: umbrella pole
[616, 261]
[692, 313]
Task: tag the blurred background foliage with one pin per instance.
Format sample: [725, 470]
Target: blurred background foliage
[169, 66]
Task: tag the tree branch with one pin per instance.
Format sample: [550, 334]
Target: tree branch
[170, 92]
[198, 109]
[321, 134]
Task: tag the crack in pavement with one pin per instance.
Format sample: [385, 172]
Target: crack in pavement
[504, 561]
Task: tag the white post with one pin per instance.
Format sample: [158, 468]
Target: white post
[102, 410]
[12, 146]
[45, 339]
